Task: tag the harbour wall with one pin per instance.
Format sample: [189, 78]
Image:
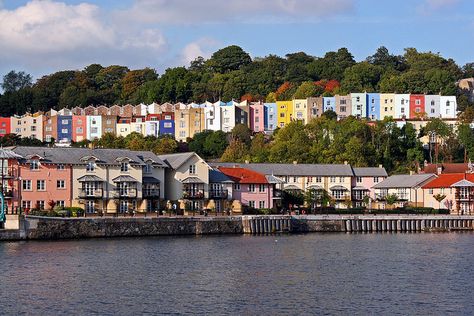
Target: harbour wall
[44, 228]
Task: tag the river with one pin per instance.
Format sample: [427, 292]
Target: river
[420, 273]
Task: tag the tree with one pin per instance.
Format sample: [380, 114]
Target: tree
[383, 58]
[361, 77]
[305, 90]
[391, 199]
[229, 59]
[236, 152]
[242, 133]
[331, 66]
[14, 81]
[166, 145]
[215, 144]
[438, 132]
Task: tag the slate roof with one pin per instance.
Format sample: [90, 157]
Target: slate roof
[124, 178]
[404, 181]
[90, 178]
[370, 172]
[74, 155]
[176, 160]
[279, 169]
[215, 176]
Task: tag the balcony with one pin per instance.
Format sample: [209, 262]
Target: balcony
[151, 193]
[193, 194]
[130, 193]
[218, 194]
[91, 193]
[8, 193]
[8, 172]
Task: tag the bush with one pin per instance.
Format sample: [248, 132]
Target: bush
[58, 212]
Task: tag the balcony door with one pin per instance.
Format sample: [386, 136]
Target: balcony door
[89, 188]
[123, 187]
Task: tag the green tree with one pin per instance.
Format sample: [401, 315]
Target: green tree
[361, 77]
[236, 152]
[14, 81]
[215, 144]
[241, 132]
[305, 90]
[391, 199]
[228, 59]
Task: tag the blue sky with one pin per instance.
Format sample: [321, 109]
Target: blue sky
[43, 36]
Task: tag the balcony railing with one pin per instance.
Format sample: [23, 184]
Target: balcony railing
[151, 193]
[7, 173]
[193, 194]
[218, 194]
[124, 193]
[91, 193]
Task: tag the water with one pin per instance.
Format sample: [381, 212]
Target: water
[392, 274]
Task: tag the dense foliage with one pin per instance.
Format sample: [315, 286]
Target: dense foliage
[230, 73]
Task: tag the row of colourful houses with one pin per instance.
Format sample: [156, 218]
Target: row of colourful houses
[117, 180]
[184, 120]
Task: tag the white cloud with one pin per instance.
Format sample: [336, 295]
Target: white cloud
[202, 47]
[211, 11]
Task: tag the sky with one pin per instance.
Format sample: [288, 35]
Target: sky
[44, 36]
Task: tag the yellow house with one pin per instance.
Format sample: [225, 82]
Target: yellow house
[300, 111]
[197, 121]
[285, 113]
[181, 123]
[387, 105]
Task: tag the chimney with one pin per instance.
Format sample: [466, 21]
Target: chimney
[411, 172]
[380, 166]
[439, 170]
[247, 162]
[295, 162]
[345, 162]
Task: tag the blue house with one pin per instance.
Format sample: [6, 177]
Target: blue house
[270, 116]
[329, 103]
[64, 128]
[373, 106]
[167, 127]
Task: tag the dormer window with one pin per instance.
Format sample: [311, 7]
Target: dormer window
[147, 168]
[34, 165]
[90, 167]
[124, 167]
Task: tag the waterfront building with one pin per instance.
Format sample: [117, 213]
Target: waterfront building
[402, 106]
[387, 105]
[251, 188]
[227, 116]
[123, 126]
[448, 107]
[152, 127]
[270, 110]
[257, 117]
[79, 128]
[417, 106]
[77, 110]
[242, 114]
[329, 104]
[28, 125]
[285, 113]
[373, 106]
[50, 128]
[137, 125]
[167, 124]
[300, 110]
[64, 129]
[315, 107]
[212, 116]
[187, 179]
[359, 105]
[94, 127]
[363, 181]
[432, 106]
[5, 126]
[407, 189]
[197, 121]
[220, 191]
[343, 106]
[181, 121]
[109, 124]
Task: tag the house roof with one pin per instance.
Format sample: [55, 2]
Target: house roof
[463, 183]
[243, 175]
[216, 176]
[75, 155]
[370, 172]
[404, 181]
[444, 180]
[280, 169]
[192, 180]
[446, 168]
[124, 178]
[176, 160]
[90, 178]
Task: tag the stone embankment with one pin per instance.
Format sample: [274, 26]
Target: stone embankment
[34, 228]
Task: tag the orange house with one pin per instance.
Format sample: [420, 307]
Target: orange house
[78, 128]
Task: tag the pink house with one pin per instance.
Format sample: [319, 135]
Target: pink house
[257, 117]
[363, 181]
[250, 187]
[42, 180]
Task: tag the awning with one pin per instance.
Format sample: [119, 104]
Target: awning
[150, 180]
[359, 188]
[124, 179]
[90, 178]
[292, 187]
[338, 188]
[314, 187]
[192, 180]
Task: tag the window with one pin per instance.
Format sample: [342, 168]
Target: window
[358, 99]
[343, 108]
[385, 101]
[256, 111]
[257, 119]
[417, 102]
[432, 102]
[64, 131]
[48, 138]
[79, 121]
[90, 206]
[26, 185]
[373, 100]
[226, 120]
[341, 179]
[79, 130]
[64, 122]
[34, 121]
[309, 179]
[372, 108]
[40, 185]
[108, 122]
[192, 169]
[295, 179]
[237, 187]
[261, 188]
[60, 167]
[40, 204]
[34, 165]
[60, 184]
[182, 124]
[417, 110]
[358, 179]
[167, 125]
[358, 107]
[251, 187]
[447, 103]
[252, 204]
[90, 167]
[270, 117]
[124, 167]
[261, 204]
[282, 114]
[94, 130]
[386, 109]
[343, 101]
[402, 101]
[61, 203]
[167, 117]
[211, 122]
[376, 179]
[430, 191]
[402, 110]
[318, 179]
[26, 204]
[33, 128]
[182, 134]
[432, 111]
[332, 179]
[147, 168]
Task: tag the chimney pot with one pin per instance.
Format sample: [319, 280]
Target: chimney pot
[295, 162]
[247, 162]
[380, 166]
[411, 172]
[345, 162]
